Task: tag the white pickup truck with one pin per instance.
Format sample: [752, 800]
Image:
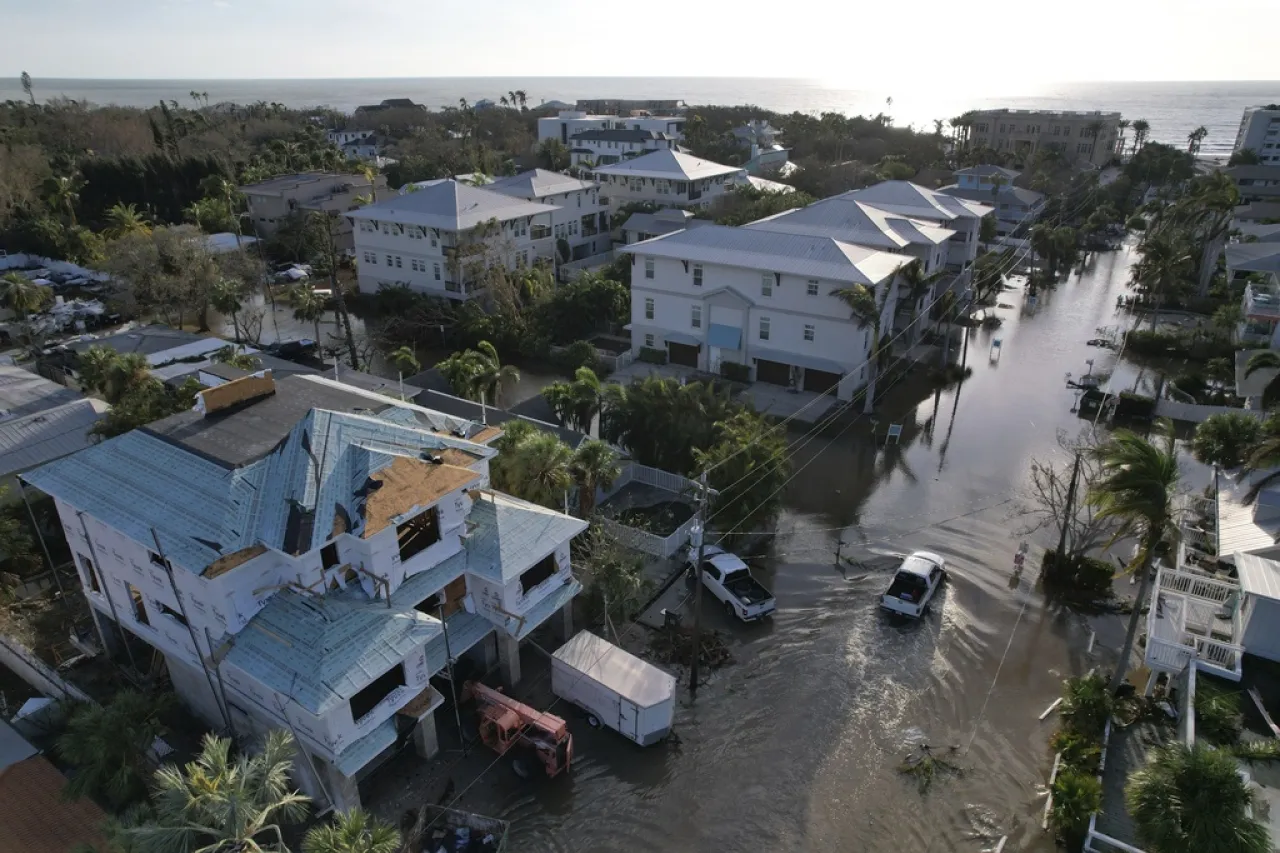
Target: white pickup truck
[730, 581]
[914, 584]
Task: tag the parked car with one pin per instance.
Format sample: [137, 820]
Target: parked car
[730, 581]
[914, 584]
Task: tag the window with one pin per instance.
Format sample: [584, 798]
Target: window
[1057, 131]
[436, 271]
[175, 615]
[390, 260]
[139, 609]
[329, 555]
[1083, 148]
[697, 275]
[545, 568]
[764, 328]
[648, 269]
[433, 241]
[397, 261]
[381, 687]
[90, 573]
[695, 317]
[812, 288]
[648, 341]
[808, 332]
[766, 284]
[418, 533]
[648, 309]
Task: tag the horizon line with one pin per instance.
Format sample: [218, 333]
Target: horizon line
[578, 77]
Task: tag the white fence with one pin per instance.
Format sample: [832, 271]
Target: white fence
[570, 270]
[35, 672]
[650, 543]
[1196, 413]
[614, 363]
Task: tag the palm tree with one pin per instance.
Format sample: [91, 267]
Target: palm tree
[308, 307]
[1121, 126]
[1266, 360]
[478, 374]
[235, 357]
[948, 302]
[125, 219]
[523, 98]
[533, 465]
[63, 191]
[1206, 210]
[225, 299]
[370, 174]
[1136, 490]
[123, 373]
[22, 296]
[92, 367]
[918, 285]
[218, 803]
[1194, 138]
[1223, 439]
[867, 306]
[1193, 800]
[405, 360]
[109, 746]
[352, 832]
[1140, 129]
[25, 80]
[594, 466]
[576, 403]
[1164, 266]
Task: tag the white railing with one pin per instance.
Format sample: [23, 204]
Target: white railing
[651, 543]
[1213, 656]
[1195, 585]
[570, 269]
[614, 363]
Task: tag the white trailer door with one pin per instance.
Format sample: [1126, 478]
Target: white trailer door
[628, 718]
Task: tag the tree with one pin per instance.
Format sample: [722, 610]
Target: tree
[219, 803]
[25, 80]
[1121, 127]
[749, 466]
[144, 403]
[23, 296]
[868, 307]
[1140, 129]
[1266, 360]
[236, 357]
[110, 746]
[308, 307]
[1194, 138]
[125, 219]
[1225, 438]
[661, 422]
[405, 360]
[1206, 211]
[575, 403]
[612, 575]
[1076, 797]
[63, 193]
[1136, 489]
[1193, 800]
[594, 466]
[532, 465]
[478, 373]
[168, 272]
[1162, 271]
[354, 831]
[225, 299]
[553, 155]
[1043, 503]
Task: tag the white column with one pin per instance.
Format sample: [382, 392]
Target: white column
[566, 621]
[344, 790]
[425, 742]
[509, 659]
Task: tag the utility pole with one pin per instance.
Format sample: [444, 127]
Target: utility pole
[699, 538]
[1066, 515]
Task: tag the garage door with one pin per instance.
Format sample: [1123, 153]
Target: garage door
[820, 381]
[685, 354]
[773, 372]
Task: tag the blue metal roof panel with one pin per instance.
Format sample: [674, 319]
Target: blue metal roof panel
[510, 535]
[360, 752]
[543, 610]
[465, 630]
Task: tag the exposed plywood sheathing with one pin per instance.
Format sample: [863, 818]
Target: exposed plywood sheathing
[407, 483]
[454, 593]
[222, 565]
[486, 435]
[460, 458]
[236, 391]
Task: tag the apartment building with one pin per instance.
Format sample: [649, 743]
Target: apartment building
[1016, 208]
[435, 238]
[760, 298]
[1086, 138]
[312, 557]
[668, 179]
[1260, 133]
[605, 147]
[271, 202]
[569, 123]
[579, 218]
[912, 201]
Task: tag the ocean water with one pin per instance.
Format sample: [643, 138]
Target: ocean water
[1172, 109]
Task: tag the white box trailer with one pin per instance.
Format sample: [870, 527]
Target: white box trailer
[625, 693]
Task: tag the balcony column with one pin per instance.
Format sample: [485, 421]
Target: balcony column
[344, 791]
[509, 659]
[425, 741]
[566, 621]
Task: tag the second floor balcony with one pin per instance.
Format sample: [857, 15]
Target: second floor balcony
[1195, 616]
[1261, 301]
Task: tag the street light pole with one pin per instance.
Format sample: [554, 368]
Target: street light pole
[698, 534]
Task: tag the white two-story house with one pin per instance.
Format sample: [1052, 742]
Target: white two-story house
[579, 218]
[1016, 208]
[434, 238]
[308, 556]
[925, 205]
[763, 299]
[605, 147]
[569, 123]
[668, 179]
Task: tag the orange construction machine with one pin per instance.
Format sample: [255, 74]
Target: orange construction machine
[507, 725]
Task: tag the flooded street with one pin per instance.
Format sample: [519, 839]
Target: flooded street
[796, 745]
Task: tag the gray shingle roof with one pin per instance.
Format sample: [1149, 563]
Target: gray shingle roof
[911, 199]
[665, 163]
[539, 183]
[25, 393]
[854, 222]
[449, 206]
[774, 251]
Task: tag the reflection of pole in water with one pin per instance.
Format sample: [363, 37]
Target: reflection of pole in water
[955, 405]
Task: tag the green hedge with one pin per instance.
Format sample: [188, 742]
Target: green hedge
[1084, 575]
[652, 355]
[735, 372]
[1195, 347]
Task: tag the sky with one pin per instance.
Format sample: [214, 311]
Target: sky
[900, 45]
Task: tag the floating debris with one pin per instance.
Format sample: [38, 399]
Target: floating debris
[674, 645]
[926, 765]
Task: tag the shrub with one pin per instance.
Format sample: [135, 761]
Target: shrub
[652, 355]
[1135, 406]
[1082, 575]
[1080, 753]
[1224, 439]
[1086, 705]
[575, 355]
[1076, 796]
[1218, 715]
[735, 372]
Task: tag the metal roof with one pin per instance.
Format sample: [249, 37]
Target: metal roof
[1254, 257]
[449, 206]
[322, 650]
[665, 163]
[24, 393]
[619, 135]
[985, 170]
[1006, 194]
[146, 340]
[540, 612]
[1243, 527]
[465, 630]
[911, 199]
[51, 434]
[510, 535]
[1258, 575]
[13, 746]
[360, 752]
[852, 221]
[617, 669]
[774, 251]
[539, 183]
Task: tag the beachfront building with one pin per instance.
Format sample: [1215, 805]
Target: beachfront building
[1016, 208]
[580, 219]
[605, 147]
[309, 556]
[667, 179]
[762, 299]
[273, 201]
[1260, 133]
[569, 123]
[434, 239]
[1085, 138]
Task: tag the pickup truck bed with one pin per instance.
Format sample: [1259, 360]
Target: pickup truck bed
[747, 590]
